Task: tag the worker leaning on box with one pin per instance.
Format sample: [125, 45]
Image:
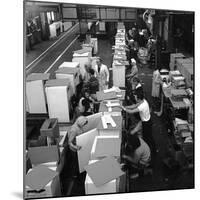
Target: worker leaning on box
[102, 74]
[76, 130]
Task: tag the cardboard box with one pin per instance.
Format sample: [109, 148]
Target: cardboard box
[82, 58]
[43, 179]
[50, 128]
[90, 188]
[58, 92]
[70, 73]
[43, 154]
[104, 146]
[35, 94]
[174, 56]
[104, 171]
[119, 75]
[187, 72]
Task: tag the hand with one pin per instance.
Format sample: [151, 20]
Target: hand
[124, 156]
[123, 108]
[78, 148]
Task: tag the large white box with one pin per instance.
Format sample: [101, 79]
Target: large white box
[104, 146]
[35, 94]
[51, 188]
[104, 171]
[111, 131]
[187, 71]
[82, 59]
[181, 61]
[72, 74]
[119, 75]
[67, 25]
[174, 56]
[90, 188]
[58, 94]
[53, 28]
[102, 26]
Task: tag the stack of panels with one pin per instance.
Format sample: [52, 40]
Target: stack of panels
[186, 66]
[119, 55]
[173, 58]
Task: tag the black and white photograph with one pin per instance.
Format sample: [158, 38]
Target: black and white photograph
[109, 99]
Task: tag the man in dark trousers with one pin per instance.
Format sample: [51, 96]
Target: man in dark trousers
[142, 107]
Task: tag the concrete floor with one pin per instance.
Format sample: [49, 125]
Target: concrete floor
[162, 178]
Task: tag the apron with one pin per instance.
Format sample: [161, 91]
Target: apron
[102, 78]
[156, 84]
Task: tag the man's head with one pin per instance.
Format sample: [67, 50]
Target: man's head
[81, 121]
[133, 62]
[98, 61]
[139, 96]
[91, 71]
[86, 93]
[87, 66]
[132, 144]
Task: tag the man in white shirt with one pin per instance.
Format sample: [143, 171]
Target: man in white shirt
[102, 74]
[142, 107]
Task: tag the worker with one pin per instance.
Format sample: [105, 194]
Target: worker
[137, 153]
[136, 84]
[133, 85]
[156, 81]
[93, 85]
[86, 75]
[85, 105]
[134, 69]
[142, 107]
[76, 130]
[102, 74]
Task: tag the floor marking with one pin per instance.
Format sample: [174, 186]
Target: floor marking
[61, 54]
[51, 46]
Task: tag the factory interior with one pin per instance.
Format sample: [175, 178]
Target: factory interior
[108, 99]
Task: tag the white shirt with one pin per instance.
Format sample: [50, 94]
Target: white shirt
[103, 71]
[138, 85]
[144, 111]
